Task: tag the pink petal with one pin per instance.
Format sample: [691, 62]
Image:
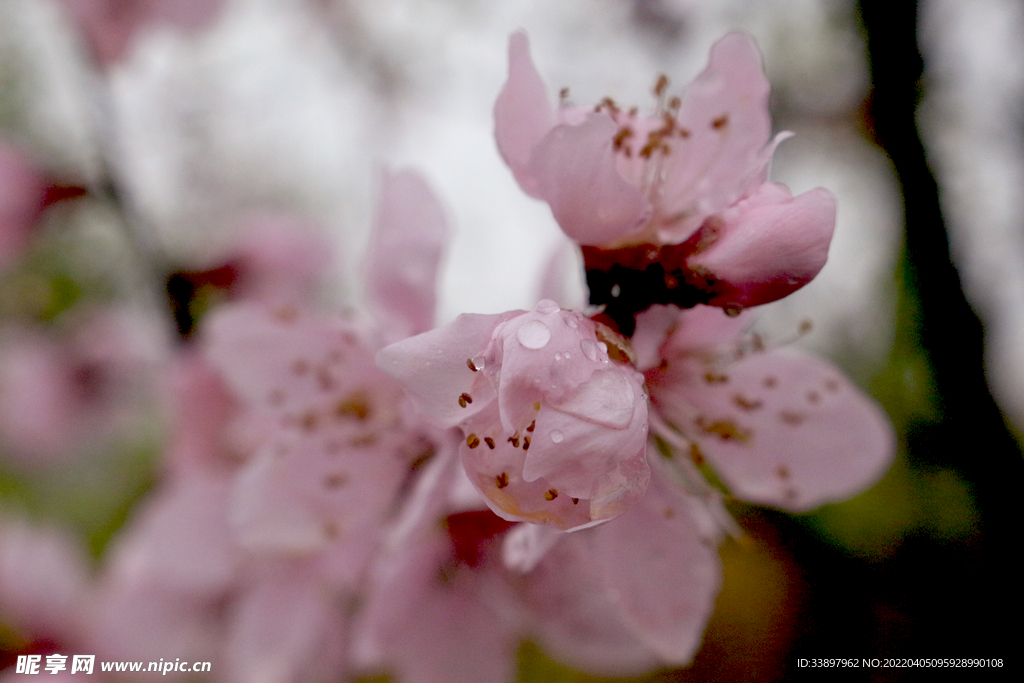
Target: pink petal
[574, 616]
[539, 357]
[522, 113]
[704, 331]
[766, 246]
[21, 201]
[287, 627]
[725, 117]
[568, 451]
[660, 562]
[497, 474]
[434, 367]
[428, 615]
[43, 580]
[111, 25]
[779, 428]
[576, 172]
[404, 253]
[278, 258]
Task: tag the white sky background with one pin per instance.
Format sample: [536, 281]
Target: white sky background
[294, 104]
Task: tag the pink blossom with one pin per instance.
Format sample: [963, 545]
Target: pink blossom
[65, 396]
[22, 194]
[439, 605]
[555, 430]
[693, 174]
[111, 25]
[779, 428]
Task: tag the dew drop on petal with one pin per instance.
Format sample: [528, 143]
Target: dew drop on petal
[547, 306]
[558, 356]
[478, 362]
[589, 348]
[557, 436]
[533, 334]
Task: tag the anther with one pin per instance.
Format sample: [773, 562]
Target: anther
[551, 494]
[469, 363]
[514, 440]
[472, 441]
[465, 399]
[526, 443]
[575, 501]
[489, 441]
[660, 85]
[501, 481]
[720, 122]
[533, 425]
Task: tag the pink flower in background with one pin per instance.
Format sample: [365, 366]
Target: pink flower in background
[555, 430]
[779, 428]
[111, 25]
[693, 174]
[61, 397]
[22, 194]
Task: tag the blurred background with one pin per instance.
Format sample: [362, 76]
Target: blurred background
[155, 140]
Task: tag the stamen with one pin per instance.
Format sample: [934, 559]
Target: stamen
[501, 481]
[551, 494]
[660, 85]
[489, 441]
[472, 441]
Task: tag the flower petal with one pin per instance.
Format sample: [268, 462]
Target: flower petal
[403, 255]
[575, 168]
[723, 127]
[522, 114]
[433, 367]
[571, 452]
[673, 539]
[779, 428]
[766, 246]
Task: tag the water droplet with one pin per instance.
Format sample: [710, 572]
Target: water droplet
[534, 334]
[547, 306]
[479, 362]
[572, 320]
[557, 436]
[558, 356]
[589, 348]
[616, 291]
[567, 355]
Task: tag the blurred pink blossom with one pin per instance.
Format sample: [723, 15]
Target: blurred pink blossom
[22, 195]
[110, 26]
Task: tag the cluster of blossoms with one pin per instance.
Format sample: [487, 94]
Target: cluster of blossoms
[352, 494]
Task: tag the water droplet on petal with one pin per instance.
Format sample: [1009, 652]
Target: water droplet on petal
[589, 348]
[572, 321]
[558, 356]
[534, 334]
[557, 436]
[479, 362]
[547, 306]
